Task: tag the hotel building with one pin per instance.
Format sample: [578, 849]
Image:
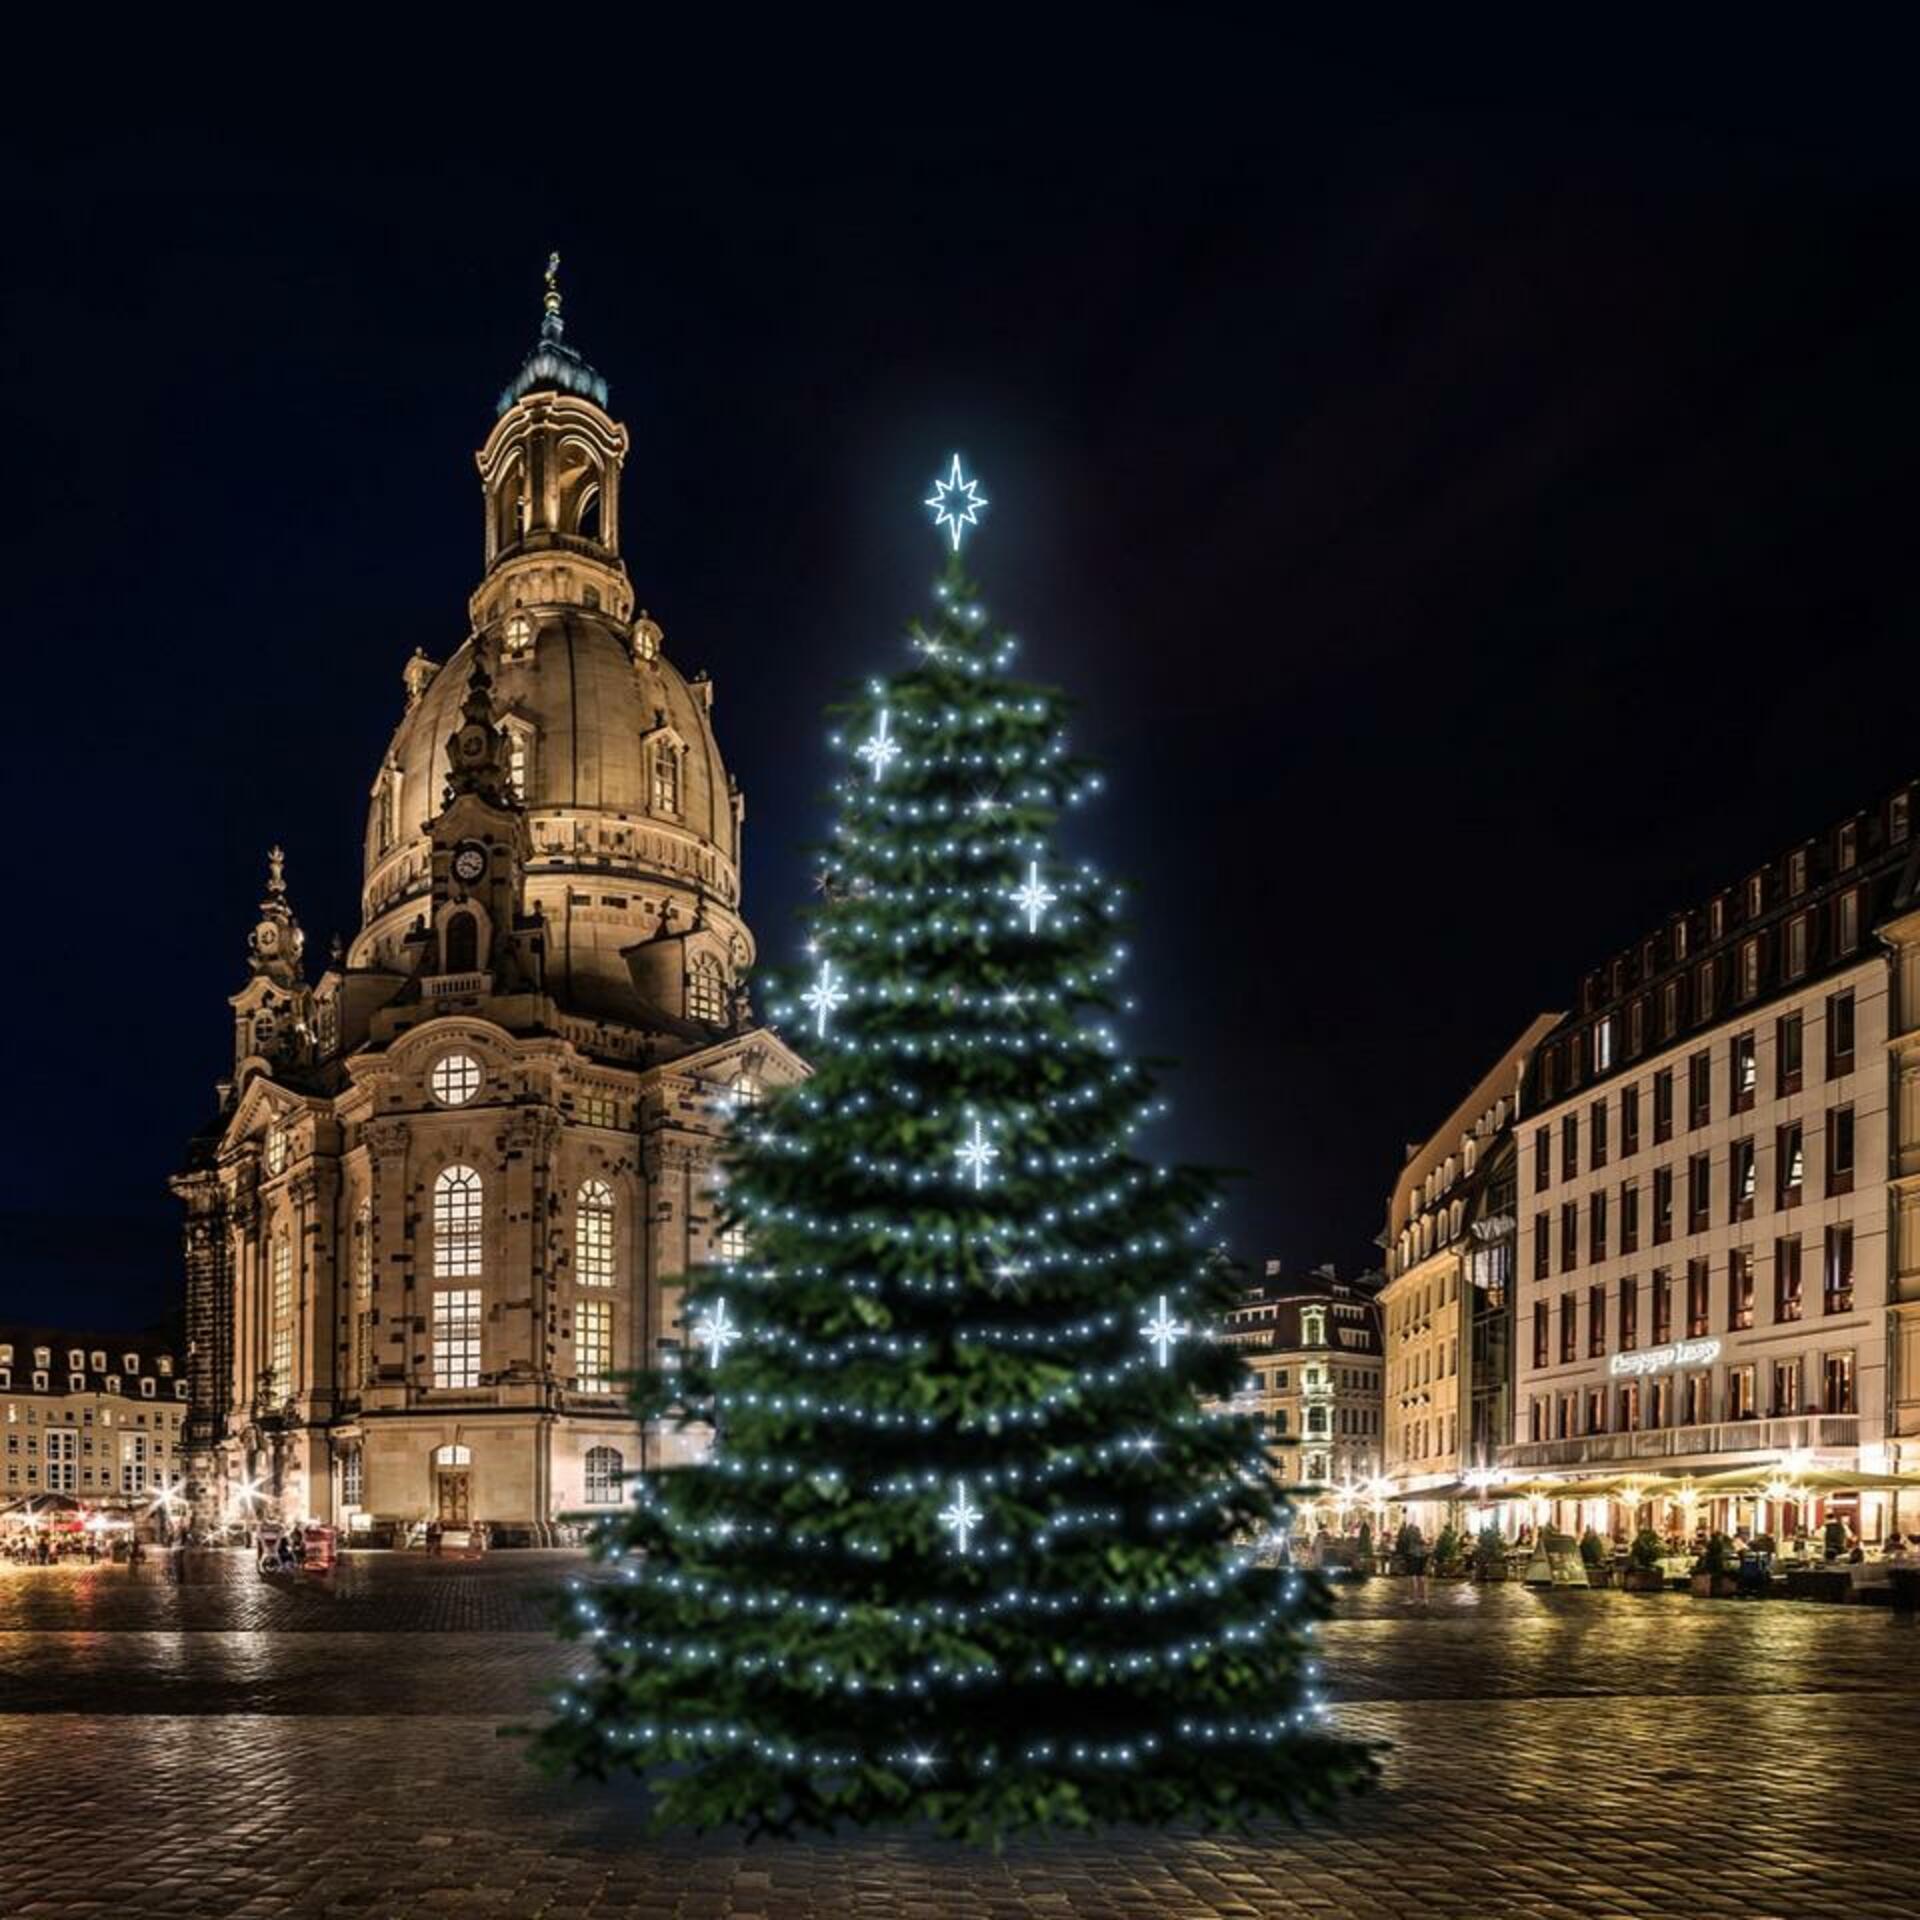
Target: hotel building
[1447, 1307]
[1719, 1180]
[98, 1418]
[1312, 1348]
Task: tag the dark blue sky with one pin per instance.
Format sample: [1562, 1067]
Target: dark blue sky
[1473, 522]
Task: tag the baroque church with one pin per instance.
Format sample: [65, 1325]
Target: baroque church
[453, 1184]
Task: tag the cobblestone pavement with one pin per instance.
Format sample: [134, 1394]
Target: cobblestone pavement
[240, 1748]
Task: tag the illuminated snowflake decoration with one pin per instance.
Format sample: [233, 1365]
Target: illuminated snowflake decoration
[977, 1153]
[1163, 1330]
[716, 1332]
[882, 750]
[826, 996]
[956, 502]
[1035, 897]
[961, 1517]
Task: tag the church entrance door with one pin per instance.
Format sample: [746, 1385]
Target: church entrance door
[456, 1496]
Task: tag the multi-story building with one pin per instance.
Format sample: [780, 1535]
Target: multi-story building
[98, 1417]
[452, 1187]
[1312, 1348]
[1447, 1307]
[1719, 1174]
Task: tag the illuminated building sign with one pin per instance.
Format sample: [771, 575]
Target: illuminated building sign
[1682, 1353]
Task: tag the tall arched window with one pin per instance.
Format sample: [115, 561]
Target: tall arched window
[593, 1234]
[706, 991]
[747, 1091]
[280, 1351]
[456, 1224]
[603, 1476]
[362, 1371]
[666, 777]
[383, 810]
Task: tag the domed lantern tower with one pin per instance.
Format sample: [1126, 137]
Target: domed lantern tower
[447, 1198]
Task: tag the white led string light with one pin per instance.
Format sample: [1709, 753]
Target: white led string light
[937, 1205]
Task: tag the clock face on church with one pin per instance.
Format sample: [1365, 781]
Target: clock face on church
[469, 861]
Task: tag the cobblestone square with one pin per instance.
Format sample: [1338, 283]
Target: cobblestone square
[231, 1746]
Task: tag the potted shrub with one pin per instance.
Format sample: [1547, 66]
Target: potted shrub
[1643, 1571]
[1593, 1556]
[1446, 1552]
[1490, 1554]
[1716, 1573]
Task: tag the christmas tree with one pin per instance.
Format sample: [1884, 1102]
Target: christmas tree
[967, 1547]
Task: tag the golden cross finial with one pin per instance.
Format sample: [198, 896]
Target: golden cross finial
[276, 870]
[552, 301]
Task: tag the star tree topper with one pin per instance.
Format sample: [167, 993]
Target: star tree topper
[956, 502]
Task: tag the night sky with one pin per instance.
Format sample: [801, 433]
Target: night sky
[1470, 529]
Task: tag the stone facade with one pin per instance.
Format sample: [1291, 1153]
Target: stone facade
[1718, 1255]
[1447, 1307]
[452, 1187]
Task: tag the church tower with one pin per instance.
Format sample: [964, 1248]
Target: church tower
[452, 1185]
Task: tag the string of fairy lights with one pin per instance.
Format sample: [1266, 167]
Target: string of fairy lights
[941, 854]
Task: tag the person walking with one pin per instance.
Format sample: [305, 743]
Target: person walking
[1416, 1551]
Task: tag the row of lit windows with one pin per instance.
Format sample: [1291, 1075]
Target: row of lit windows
[39, 1380]
[1705, 993]
[1738, 1297]
[1687, 1400]
[1742, 1085]
[1422, 1437]
[79, 1359]
[1789, 1188]
[1758, 895]
[1424, 1365]
[456, 1341]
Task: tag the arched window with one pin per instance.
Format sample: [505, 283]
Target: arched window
[1313, 1328]
[603, 1476]
[519, 760]
[363, 1364]
[280, 1339]
[383, 809]
[517, 635]
[587, 515]
[747, 1091]
[666, 777]
[593, 1234]
[706, 991]
[453, 1455]
[456, 1224]
[462, 943]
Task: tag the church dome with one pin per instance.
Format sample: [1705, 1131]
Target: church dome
[630, 811]
[633, 826]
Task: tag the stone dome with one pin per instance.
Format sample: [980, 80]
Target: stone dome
[633, 823]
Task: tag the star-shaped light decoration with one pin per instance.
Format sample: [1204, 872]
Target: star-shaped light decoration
[976, 1154]
[956, 502]
[961, 1517]
[1163, 1330]
[1035, 897]
[826, 996]
[716, 1332]
[882, 750]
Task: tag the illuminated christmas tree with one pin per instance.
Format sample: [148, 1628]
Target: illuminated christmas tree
[967, 1548]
